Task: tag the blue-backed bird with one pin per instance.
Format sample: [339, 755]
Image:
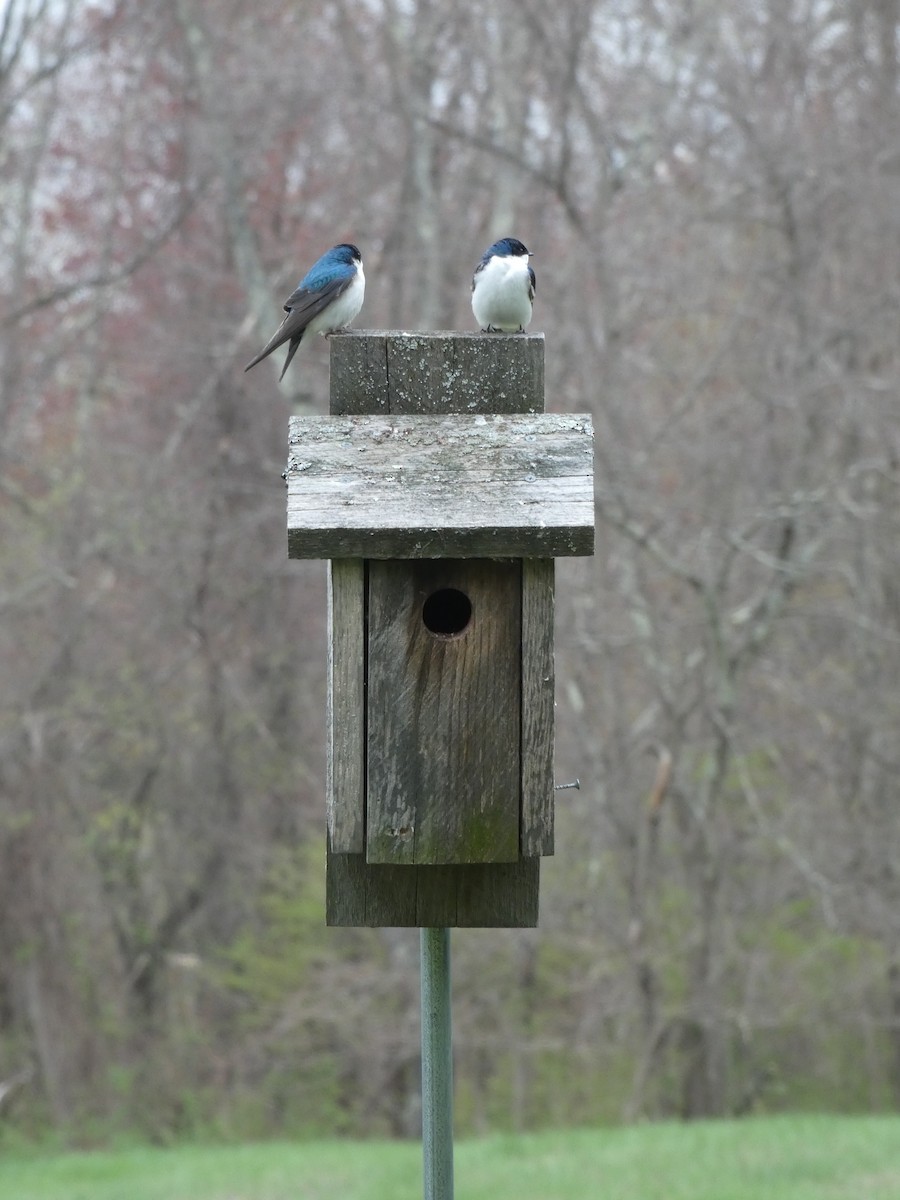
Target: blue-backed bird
[326, 300]
[503, 288]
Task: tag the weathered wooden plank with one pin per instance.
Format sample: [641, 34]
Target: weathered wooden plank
[426, 486]
[537, 706]
[504, 895]
[498, 895]
[345, 772]
[444, 721]
[357, 893]
[550, 541]
[399, 372]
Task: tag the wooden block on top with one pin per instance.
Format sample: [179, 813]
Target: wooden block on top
[395, 371]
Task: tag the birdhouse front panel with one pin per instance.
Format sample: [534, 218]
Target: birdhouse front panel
[444, 711]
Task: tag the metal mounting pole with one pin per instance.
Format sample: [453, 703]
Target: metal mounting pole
[437, 1065]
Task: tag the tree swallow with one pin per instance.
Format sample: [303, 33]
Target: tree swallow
[327, 299]
[503, 288]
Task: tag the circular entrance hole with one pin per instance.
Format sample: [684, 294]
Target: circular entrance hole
[447, 612]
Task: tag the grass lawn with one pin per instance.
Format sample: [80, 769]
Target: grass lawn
[782, 1158]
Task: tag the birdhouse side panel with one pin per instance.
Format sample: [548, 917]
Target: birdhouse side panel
[538, 685]
[345, 767]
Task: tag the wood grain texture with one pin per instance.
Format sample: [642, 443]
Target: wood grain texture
[393, 371]
[345, 773]
[444, 715]
[490, 895]
[437, 486]
[537, 706]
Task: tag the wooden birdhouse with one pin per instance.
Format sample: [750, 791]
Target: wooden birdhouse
[441, 492]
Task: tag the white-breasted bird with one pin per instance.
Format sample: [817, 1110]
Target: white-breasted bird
[326, 300]
[503, 288]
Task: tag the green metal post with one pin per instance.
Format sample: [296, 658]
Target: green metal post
[437, 1065]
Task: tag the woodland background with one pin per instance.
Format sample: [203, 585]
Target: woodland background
[712, 192]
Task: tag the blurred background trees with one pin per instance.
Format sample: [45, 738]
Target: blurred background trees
[712, 192]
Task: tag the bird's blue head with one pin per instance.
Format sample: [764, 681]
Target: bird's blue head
[345, 253]
[339, 263]
[506, 248]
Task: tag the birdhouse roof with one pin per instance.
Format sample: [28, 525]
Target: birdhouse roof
[458, 486]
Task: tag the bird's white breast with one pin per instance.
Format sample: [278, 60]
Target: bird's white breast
[342, 311]
[501, 297]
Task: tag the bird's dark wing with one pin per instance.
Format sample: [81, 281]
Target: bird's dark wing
[478, 269]
[301, 306]
[533, 284]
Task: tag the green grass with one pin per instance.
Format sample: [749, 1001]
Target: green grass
[783, 1158]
